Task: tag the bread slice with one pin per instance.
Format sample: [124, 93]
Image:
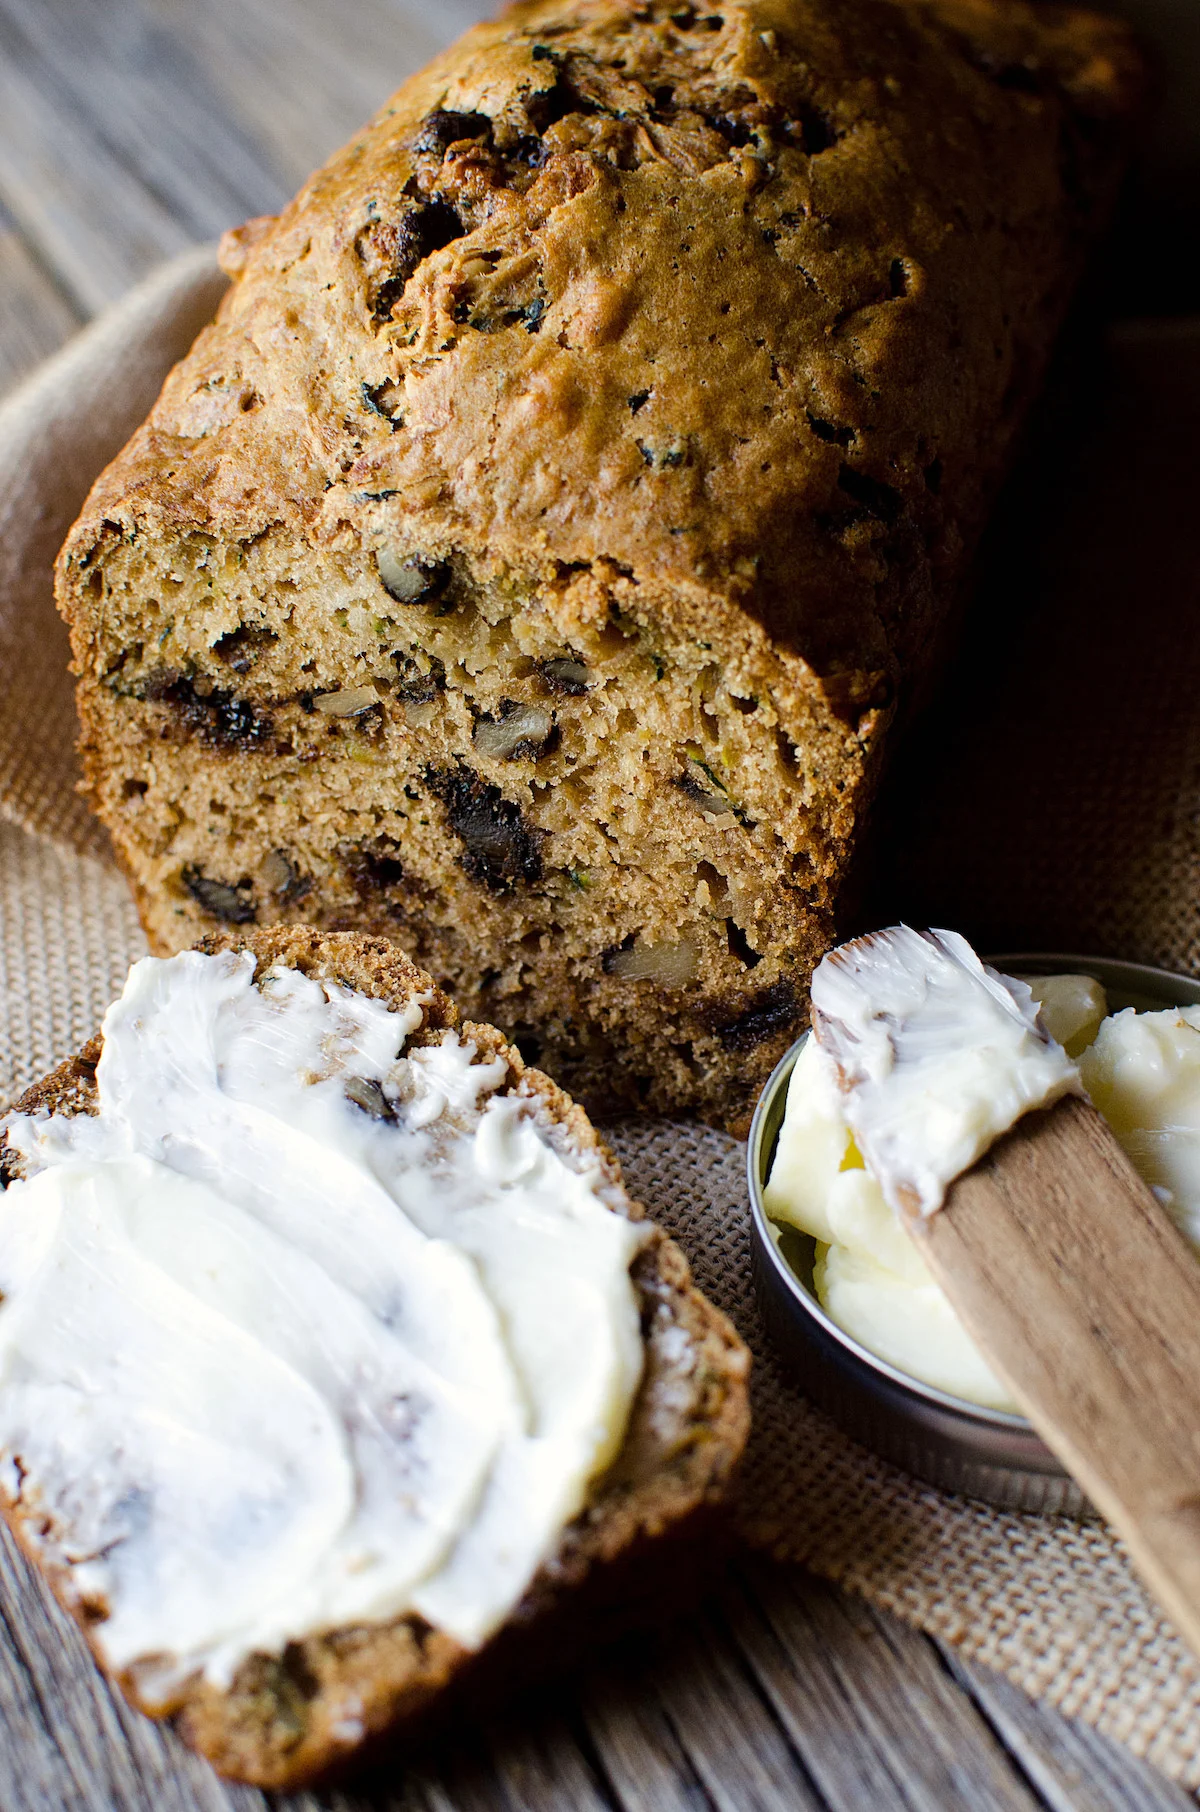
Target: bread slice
[531, 561]
[286, 1718]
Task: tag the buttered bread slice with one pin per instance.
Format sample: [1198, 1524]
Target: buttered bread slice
[332, 1350]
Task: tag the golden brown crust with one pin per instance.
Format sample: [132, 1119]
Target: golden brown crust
[287, 1719]
[806, 149]
[681, 348]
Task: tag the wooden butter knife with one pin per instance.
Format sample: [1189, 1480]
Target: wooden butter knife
[1081, 1293]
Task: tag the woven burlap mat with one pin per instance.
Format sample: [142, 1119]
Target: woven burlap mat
[1051, 800]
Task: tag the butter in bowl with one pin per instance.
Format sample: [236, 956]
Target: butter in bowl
[845, 1292]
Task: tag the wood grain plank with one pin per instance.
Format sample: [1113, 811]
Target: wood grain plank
[733, 1745]
[394, 1789]
[90, 219]
[35, 316]
[68, 1740]
[538, 1767]
[528, 1760]
[1073, 1768]
[866, 1701]
[1035, 1249]
[116, 151]
[636, 1744]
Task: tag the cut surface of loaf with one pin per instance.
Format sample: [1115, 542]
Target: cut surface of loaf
[531, 560]
[122, 1553]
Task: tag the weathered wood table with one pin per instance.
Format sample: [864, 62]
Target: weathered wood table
[129, 128]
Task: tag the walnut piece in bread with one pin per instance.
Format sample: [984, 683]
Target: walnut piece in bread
[334, 1358]
[531, 560]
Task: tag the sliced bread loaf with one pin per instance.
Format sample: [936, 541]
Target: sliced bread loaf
[530, 561]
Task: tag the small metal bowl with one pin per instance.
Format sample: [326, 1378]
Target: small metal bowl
[982, 1453]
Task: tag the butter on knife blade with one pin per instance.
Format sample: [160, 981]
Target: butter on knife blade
[935, 1056]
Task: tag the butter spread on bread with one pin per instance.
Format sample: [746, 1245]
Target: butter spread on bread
[321, 1316]
[299, 1330]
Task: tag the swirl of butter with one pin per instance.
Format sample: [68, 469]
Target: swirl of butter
[301, 1329]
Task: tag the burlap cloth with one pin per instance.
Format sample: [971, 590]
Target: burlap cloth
[1051, 800]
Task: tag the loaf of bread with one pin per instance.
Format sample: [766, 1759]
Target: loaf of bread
[280, 1713]
[530, 562]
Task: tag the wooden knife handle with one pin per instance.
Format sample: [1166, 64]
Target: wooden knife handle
[1083, 1295]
